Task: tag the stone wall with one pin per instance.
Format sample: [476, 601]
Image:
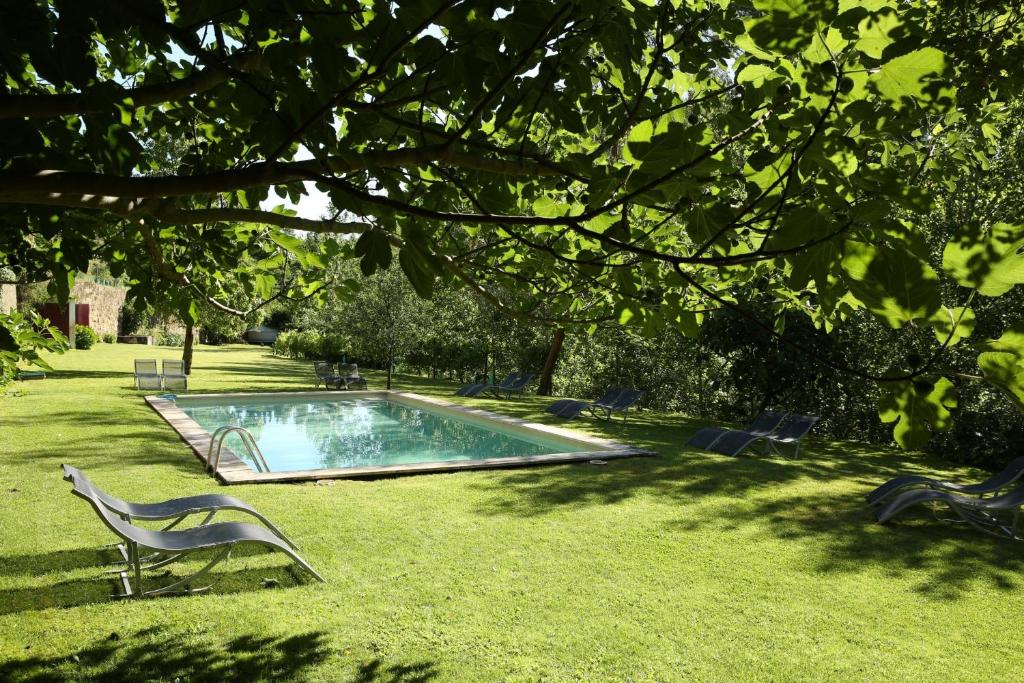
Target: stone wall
[8, 298]
[105, 305]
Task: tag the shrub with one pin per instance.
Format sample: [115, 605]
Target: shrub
[165, 338]
[109, 338]
[85, 337]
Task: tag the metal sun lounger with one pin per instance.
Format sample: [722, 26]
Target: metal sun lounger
[791, 432]
[176, 509]
[326, 375]
[471, 389]
[516, 386]
[986, 514]
[146, 375]
[765, 423]
[570, 408]
[509, 380]
[348, 373]
[174, 376]
[622, 403]
[176, 545]
[997, 482]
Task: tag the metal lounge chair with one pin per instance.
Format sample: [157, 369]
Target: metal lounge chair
[604, 410]
[174, 376]
[570, 408]
[177, 545]
[518, 386]
[509, 380]
[791, 432]
[326, 375]
[999, 516]
[176, 509]
[349, 376]
[765, 423]
[563, 404]
[146, 375]
[993, 485]
[471, 389]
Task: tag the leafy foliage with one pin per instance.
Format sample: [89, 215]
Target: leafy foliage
[85, 337]
[22, 337]
[638, 163]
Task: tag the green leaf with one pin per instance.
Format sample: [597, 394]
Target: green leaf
[954, 324]
[891, 282]
[990, 262]
[1002, 363]
[264, 285]
[374, 251]
[417, 269]
[908, 75]
[875, 33]
[914, 406]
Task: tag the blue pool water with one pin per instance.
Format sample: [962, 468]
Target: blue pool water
[303, 434]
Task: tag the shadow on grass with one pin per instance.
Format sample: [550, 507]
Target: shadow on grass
[230, 578]
[818, 498]
[155, 654]
[377, 672]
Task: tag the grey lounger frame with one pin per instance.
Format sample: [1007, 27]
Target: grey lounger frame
[791, 432]
[621, 404]
[994, 484]
[614, 400]
[146, 375]
[765, 423]
[174, 376]
[178, 544]
[349, 375]
[516, 386]
[176, 509]
[981, 513]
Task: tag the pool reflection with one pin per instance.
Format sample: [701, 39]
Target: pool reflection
[359, 433]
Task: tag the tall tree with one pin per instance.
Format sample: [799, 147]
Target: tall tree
[633, 161]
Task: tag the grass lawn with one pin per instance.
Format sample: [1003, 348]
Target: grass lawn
[687, 566]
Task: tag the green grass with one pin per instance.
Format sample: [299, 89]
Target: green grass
[687, 566]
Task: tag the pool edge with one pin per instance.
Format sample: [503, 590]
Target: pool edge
[233, 470]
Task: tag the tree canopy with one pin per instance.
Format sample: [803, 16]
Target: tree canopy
[632, 161]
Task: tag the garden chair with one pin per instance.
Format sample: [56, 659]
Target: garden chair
[613, 400]
[474, 389]
[326, 375]
[146, 375]
[765, 423]
[177, 545]
[174, 376]
[994, 484]
[348, 373]
[570, 408]
[516, 386]
[175, 509]
[620, 404]
[792, 431]
[999, 516]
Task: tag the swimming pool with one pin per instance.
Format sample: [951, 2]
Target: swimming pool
[319, 435]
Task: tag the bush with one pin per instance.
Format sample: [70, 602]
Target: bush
[109, 338]
[312, 345]
[85, 337]
[165, 338]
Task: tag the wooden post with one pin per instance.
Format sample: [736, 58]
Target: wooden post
[544, 388]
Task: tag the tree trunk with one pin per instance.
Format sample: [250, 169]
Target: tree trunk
[186, 353]
[544, 389]
[391, 364]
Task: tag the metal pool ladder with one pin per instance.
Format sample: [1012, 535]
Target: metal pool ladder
[217, 445]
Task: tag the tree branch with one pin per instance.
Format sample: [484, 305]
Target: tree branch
[106, 98]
